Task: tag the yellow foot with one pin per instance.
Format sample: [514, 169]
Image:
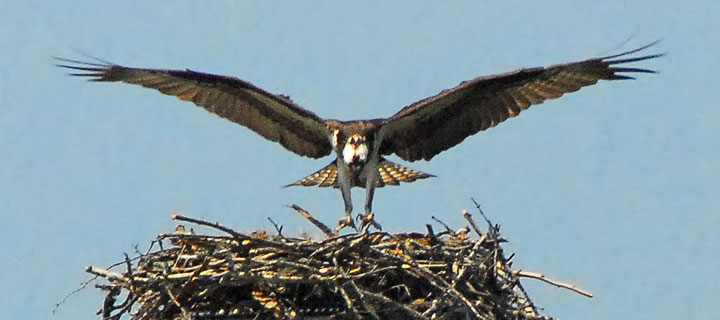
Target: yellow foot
[368, 220]
[345, 222]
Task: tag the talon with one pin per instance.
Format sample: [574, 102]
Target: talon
[345, 222]
[367, 221]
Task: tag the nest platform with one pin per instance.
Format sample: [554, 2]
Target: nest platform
[367, 275]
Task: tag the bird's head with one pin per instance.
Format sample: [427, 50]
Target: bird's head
[355, 150]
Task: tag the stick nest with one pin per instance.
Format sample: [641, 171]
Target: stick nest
[371, 275]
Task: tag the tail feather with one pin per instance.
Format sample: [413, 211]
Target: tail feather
[324, 177]
[390, 173]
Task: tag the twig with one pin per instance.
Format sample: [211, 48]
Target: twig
[348, 300]
[125, 306]
[192, 277]
[477, 206]
[431, 234]
[327, 231]
[429, 313]
[525, 296]
[93, 278]
[107, 274]
[447, 229]
[185, 314]
[130, 276]
[82, 286]
[541, 277]
[469, 218]
[369, 308]
[277, 228]
[408, 313]
[430, 230]
[109, 301]
[208, 224]
[437, 281]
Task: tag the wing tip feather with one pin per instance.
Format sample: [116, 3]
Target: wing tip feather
[616, 72]
[634, 59]
[95, 71]
[65, 60]
[629, 52]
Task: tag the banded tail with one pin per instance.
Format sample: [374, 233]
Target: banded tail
[390, 174]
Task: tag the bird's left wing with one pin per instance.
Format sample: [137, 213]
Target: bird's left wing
[274, 117]
[430, 126]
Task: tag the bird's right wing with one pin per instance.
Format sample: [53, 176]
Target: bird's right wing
[274, 117]
[432, 125]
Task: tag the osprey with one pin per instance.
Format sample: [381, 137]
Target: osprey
[417, 132]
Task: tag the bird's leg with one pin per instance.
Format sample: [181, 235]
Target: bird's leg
[347, 221]
[345, 186]
[370, 184]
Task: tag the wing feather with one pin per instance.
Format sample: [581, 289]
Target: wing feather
[432, 125]
[272, 116]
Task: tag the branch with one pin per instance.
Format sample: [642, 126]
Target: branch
[277, 227]
[105, 273]
[469, 218]
[477, 206]
[447, 228]
[208, 224]
[327, 231]
[541, 277]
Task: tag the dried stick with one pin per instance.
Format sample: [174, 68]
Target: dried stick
[477, 206]
[541, 277]
[447, 228]
[208, 224]
[82, 286]
[105, 273]
[130, 276]
[109, 301]
[469, 218]
[430, 312]
[528, 302]
[435, 279]
[348, 300]
[277, 228]
[185, 313]
[327, 231]
[431, 234]
[369, 309]
[408, 313]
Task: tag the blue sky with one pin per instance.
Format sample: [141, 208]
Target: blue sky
[614, 188]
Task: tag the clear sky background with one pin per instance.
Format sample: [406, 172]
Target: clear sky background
[614, 188]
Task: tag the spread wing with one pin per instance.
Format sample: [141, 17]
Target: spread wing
[435, 124]
[274, 117]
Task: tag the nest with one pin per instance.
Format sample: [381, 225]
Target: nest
[368, 275]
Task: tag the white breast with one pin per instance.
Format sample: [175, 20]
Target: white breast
[350, 152]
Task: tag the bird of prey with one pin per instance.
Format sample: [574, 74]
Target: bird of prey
[418, 131]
